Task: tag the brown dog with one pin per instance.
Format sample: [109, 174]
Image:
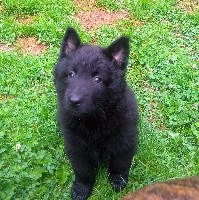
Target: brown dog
[179, 189]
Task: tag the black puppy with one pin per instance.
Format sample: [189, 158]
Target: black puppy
[97, 111]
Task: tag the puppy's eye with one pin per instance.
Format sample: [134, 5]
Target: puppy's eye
[71, 74]
[97, 79]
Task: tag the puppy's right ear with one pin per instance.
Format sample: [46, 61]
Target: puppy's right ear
[70, 42]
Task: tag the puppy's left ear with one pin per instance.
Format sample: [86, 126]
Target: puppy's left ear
[118, 52]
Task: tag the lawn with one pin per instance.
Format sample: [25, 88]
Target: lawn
[163, 71]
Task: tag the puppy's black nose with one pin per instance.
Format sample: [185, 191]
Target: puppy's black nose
[75, 101]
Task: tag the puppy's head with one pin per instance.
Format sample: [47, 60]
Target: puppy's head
[89, 78]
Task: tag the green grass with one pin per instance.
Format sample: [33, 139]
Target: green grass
[163, 70]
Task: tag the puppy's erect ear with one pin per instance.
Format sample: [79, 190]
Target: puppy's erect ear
[118, 52]
[70, 42]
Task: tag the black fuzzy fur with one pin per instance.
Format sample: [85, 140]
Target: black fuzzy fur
[97, 111]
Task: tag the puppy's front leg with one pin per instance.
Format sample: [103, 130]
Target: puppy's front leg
[119, 169]
[84, 169]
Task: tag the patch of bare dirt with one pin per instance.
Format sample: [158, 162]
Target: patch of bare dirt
[1, 9]
[136, 22]
[92, 17]
[86, 5]
[6, 47]
[189, 5]
[154, 115]
[98, 17]
[26, 20]
[30, 45]
[6, 97]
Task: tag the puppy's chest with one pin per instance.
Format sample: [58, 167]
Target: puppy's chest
[95, 132]
[101, 148]
[96, 143]
[101, 137]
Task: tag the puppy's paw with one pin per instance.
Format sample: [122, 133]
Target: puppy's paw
[118, 183]
[80, 191]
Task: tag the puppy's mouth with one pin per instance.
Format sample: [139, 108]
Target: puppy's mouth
[81, 111]
[75, 109]
[76, 106]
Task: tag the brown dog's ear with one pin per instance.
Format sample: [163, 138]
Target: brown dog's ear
[70, 42]
[118, 52]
